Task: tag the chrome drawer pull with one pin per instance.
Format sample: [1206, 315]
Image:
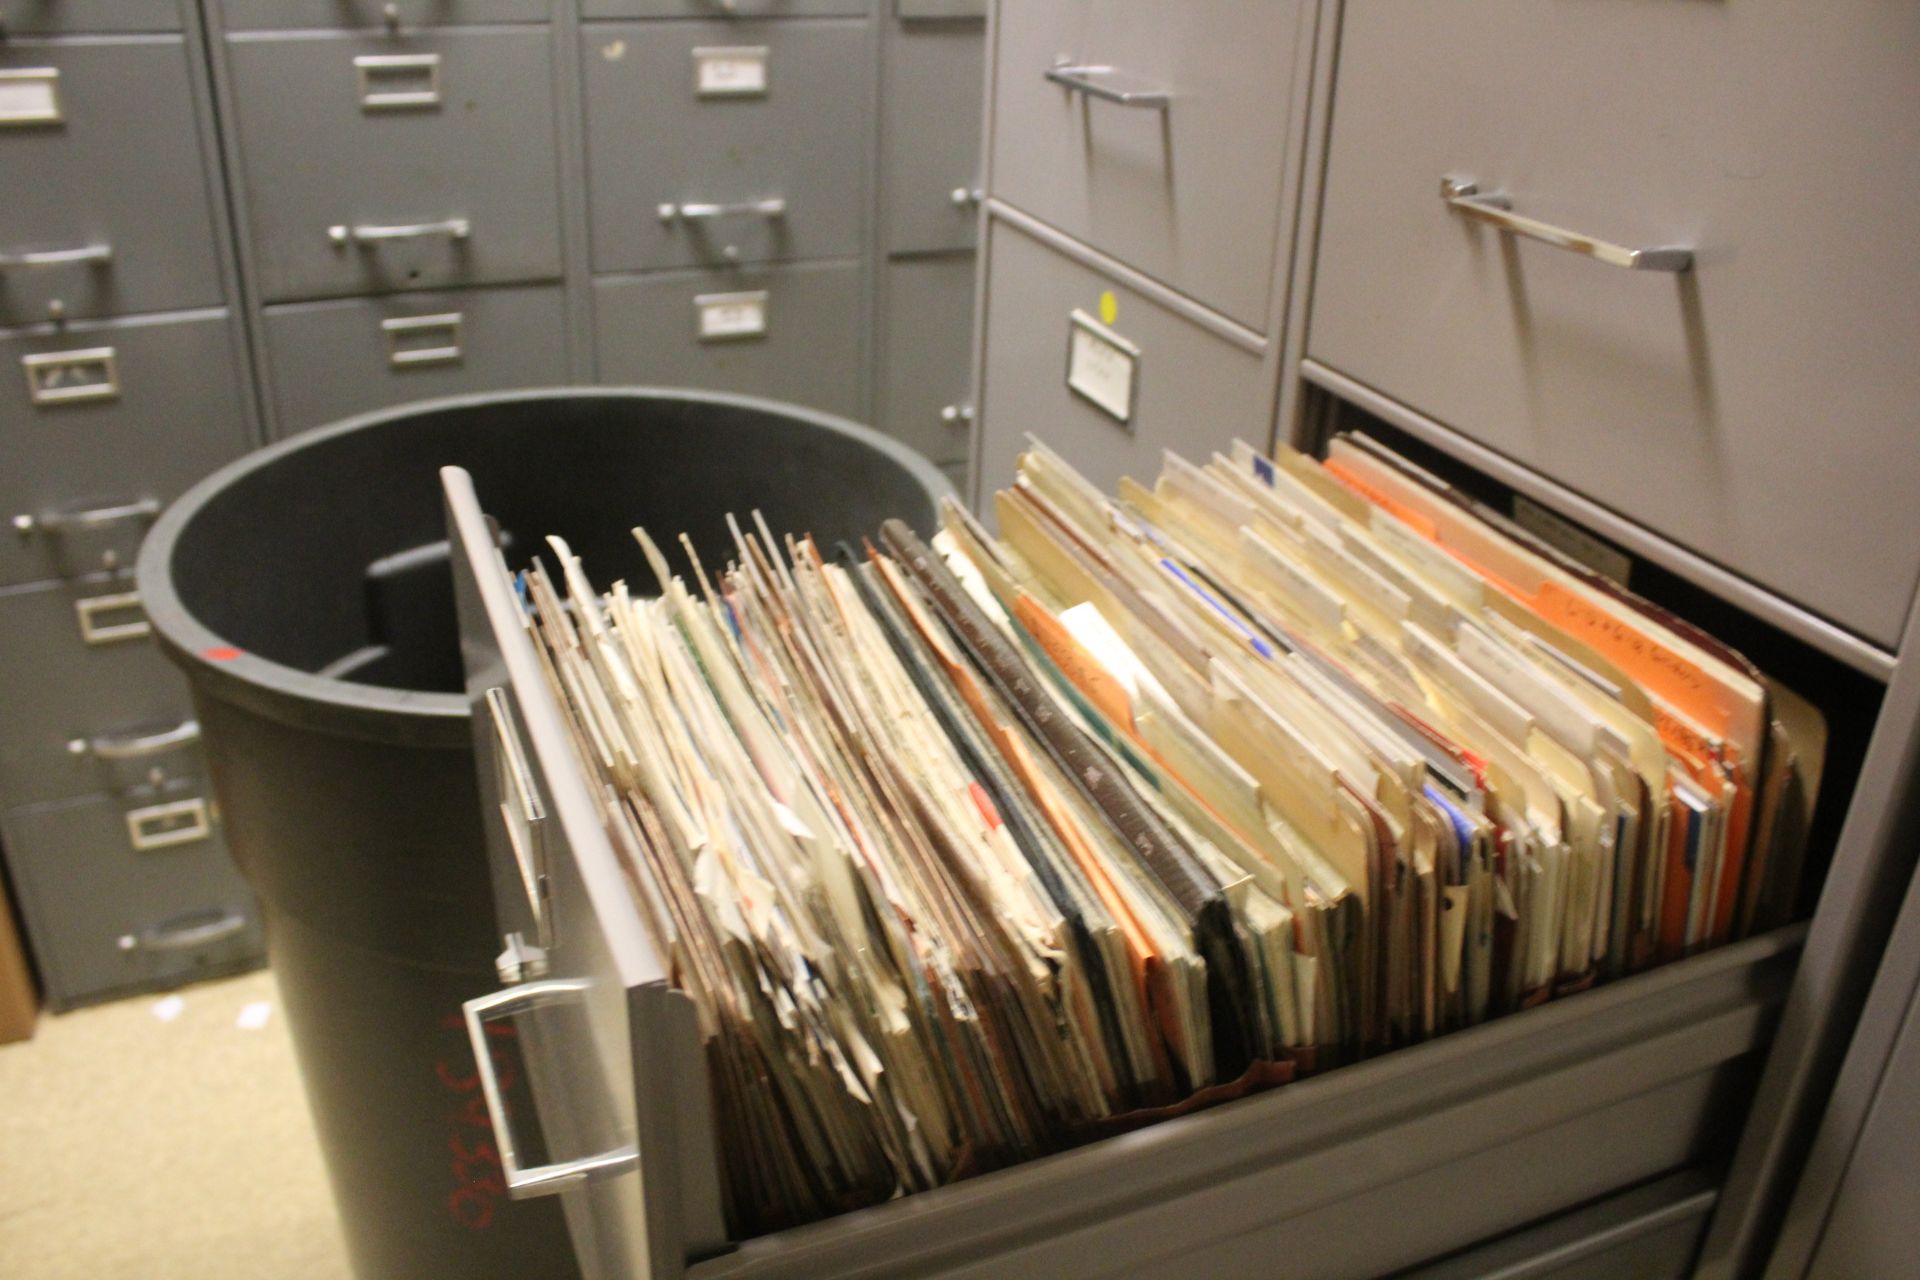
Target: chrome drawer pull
[1497, 211]
[98, 254]
[694, 211]
[94, 631]
[1109, 84]
[402, 331]
[92, 518]
[956, 413]
[161, 826]
[134, 746]
[178, 936]
[373, 233]
[966, 197]
[546, 1179]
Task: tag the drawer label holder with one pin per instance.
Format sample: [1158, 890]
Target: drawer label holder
[161, 826]
[730, 317]
[30, 96]
[62, 377]
[730, 71]
[398, 81]
[1103, 368]
[418, 340]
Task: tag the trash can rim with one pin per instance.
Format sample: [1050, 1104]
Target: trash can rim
[231, 669]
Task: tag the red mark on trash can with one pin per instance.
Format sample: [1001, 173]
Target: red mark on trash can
[220, 653]
[479, 1183]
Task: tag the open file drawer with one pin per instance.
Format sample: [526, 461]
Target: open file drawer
[1357, 1172]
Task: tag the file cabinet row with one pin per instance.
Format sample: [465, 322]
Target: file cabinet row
[123, 379]
[680, 181]
[1639, 290]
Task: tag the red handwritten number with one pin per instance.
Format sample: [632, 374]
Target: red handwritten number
[479, 1183]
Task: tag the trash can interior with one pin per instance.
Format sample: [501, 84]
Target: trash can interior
[357, 587]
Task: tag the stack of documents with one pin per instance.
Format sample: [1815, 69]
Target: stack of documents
[972, 849]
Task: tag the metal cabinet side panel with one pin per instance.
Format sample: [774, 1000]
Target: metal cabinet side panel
[121, 169]
[931, 74]
[646, 333]
[623, 1066]
[652, 140]
[1871, 1229]
[1749, 408]
[334, 358]
[1195, 391]
[924, 352]
[312, 158]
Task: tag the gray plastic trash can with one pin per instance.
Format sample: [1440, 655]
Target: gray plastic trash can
[306, 592]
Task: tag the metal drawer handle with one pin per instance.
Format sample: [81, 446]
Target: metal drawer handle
[372, 233]
[955, 413]
[177, 935]
[966, 197]
[525, 820]
[1497, 211]
[94, 631]
[134, 746]
[161, 826]
[546, 1179]
[401, 330]
[98, 254]
[694, 211]
[1109, 84]
[92, 518]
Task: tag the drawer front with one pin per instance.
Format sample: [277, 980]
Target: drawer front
[930, 136]
[244, 14]
[100, 426]
[1649, 1233]
[62, 17]
[1189, 193]
[106, 207]
[346, 356]
[723, 8]
[1192, 391]
[373, 177]
[1750, 408]
[927, 345]
[128, 892]
[768, 163]
[81, 672]
[788, 333]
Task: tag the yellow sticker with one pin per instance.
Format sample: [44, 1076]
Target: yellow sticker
[1109, 307]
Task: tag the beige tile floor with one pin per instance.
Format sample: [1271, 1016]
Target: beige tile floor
[132, 1147]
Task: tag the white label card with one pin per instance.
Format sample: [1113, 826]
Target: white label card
[725, 316]
[30, 96]
[733, 72]
[1102, 367]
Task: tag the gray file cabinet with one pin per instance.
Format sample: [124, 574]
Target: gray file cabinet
[123, 379]
[1208, 221]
